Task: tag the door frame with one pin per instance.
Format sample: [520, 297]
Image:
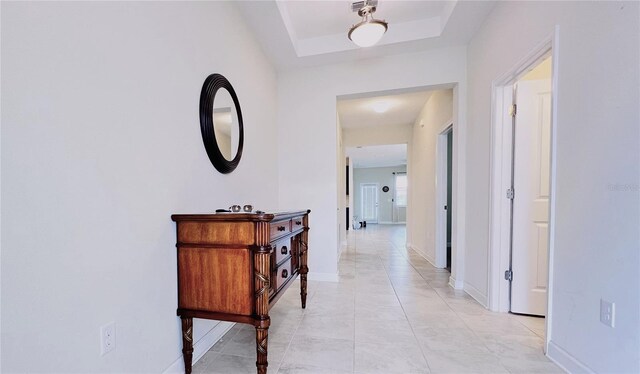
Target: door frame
[377, 207]
[499, 213]
[441, 195]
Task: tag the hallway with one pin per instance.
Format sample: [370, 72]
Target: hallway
[391, 312]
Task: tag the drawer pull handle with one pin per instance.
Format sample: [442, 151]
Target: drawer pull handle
[283, 250]
[285, 273]
[298, 223]
[281, 228]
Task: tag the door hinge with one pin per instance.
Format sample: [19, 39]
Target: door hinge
[513, 110]
[508, 275]
[510, 194]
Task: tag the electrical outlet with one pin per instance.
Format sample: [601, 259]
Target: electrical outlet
[107, 338]
[608, 313]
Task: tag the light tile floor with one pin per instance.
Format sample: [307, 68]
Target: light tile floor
[391, 312]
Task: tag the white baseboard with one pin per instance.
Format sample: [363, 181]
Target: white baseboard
[476, 294]
[391, 223]
[458, 285]
[322, 277]
[565, 360]
[202, 346]
[424, 255]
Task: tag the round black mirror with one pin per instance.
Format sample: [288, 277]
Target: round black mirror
[221, 123]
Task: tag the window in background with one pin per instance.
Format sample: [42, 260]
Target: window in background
[401, 189]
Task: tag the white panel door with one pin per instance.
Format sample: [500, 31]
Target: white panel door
[531, 201]
[369, 202]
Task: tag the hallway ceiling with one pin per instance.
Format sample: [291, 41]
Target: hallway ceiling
[309, 33]
[378, 155]
[403, 109]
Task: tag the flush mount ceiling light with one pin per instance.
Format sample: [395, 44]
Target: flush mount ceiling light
[380, 106]
[370, 30]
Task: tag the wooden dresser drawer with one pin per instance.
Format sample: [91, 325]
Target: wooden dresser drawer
[283, 274]
[282, 249]
[280, 228]
[296, 224]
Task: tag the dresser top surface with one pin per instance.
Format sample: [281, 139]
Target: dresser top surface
[239, 217]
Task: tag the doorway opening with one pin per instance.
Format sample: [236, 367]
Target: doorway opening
[413, 117]
[529, 191]
[379, 177]
[522, 186]
[449, 194]
[444, 190]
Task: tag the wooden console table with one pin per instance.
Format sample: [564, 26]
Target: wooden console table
[235, 266]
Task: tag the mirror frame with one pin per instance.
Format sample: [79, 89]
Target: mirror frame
[209, 89]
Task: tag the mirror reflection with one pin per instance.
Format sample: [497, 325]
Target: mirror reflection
[225, 124]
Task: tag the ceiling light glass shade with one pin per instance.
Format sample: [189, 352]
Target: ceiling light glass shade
[367, 33]
[381, 106]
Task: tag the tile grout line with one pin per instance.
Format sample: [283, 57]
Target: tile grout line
[529, 328]
[477, 335]
[355, 271]
[304, 311]
[415, 337]
[465, 323]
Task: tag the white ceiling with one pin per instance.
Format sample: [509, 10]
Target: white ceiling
[308, 33]
[314, 32]
[403, 109]
[378, 155]
[321, 18]
[319, 27]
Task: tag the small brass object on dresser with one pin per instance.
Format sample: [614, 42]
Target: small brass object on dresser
[235, 267]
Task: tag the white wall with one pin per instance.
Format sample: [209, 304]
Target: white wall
[306, 119]
[341, 170]
[597, 244]
[101, 143]
[384, 177]
[377, 135]
[435, 115]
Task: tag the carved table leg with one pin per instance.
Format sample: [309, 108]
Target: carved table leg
[303, 266]
[262, 272]
[261, 346]
[187, 343]
[303, 288]
[303, 272]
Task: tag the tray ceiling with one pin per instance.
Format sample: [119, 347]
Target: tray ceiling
[306, 33]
